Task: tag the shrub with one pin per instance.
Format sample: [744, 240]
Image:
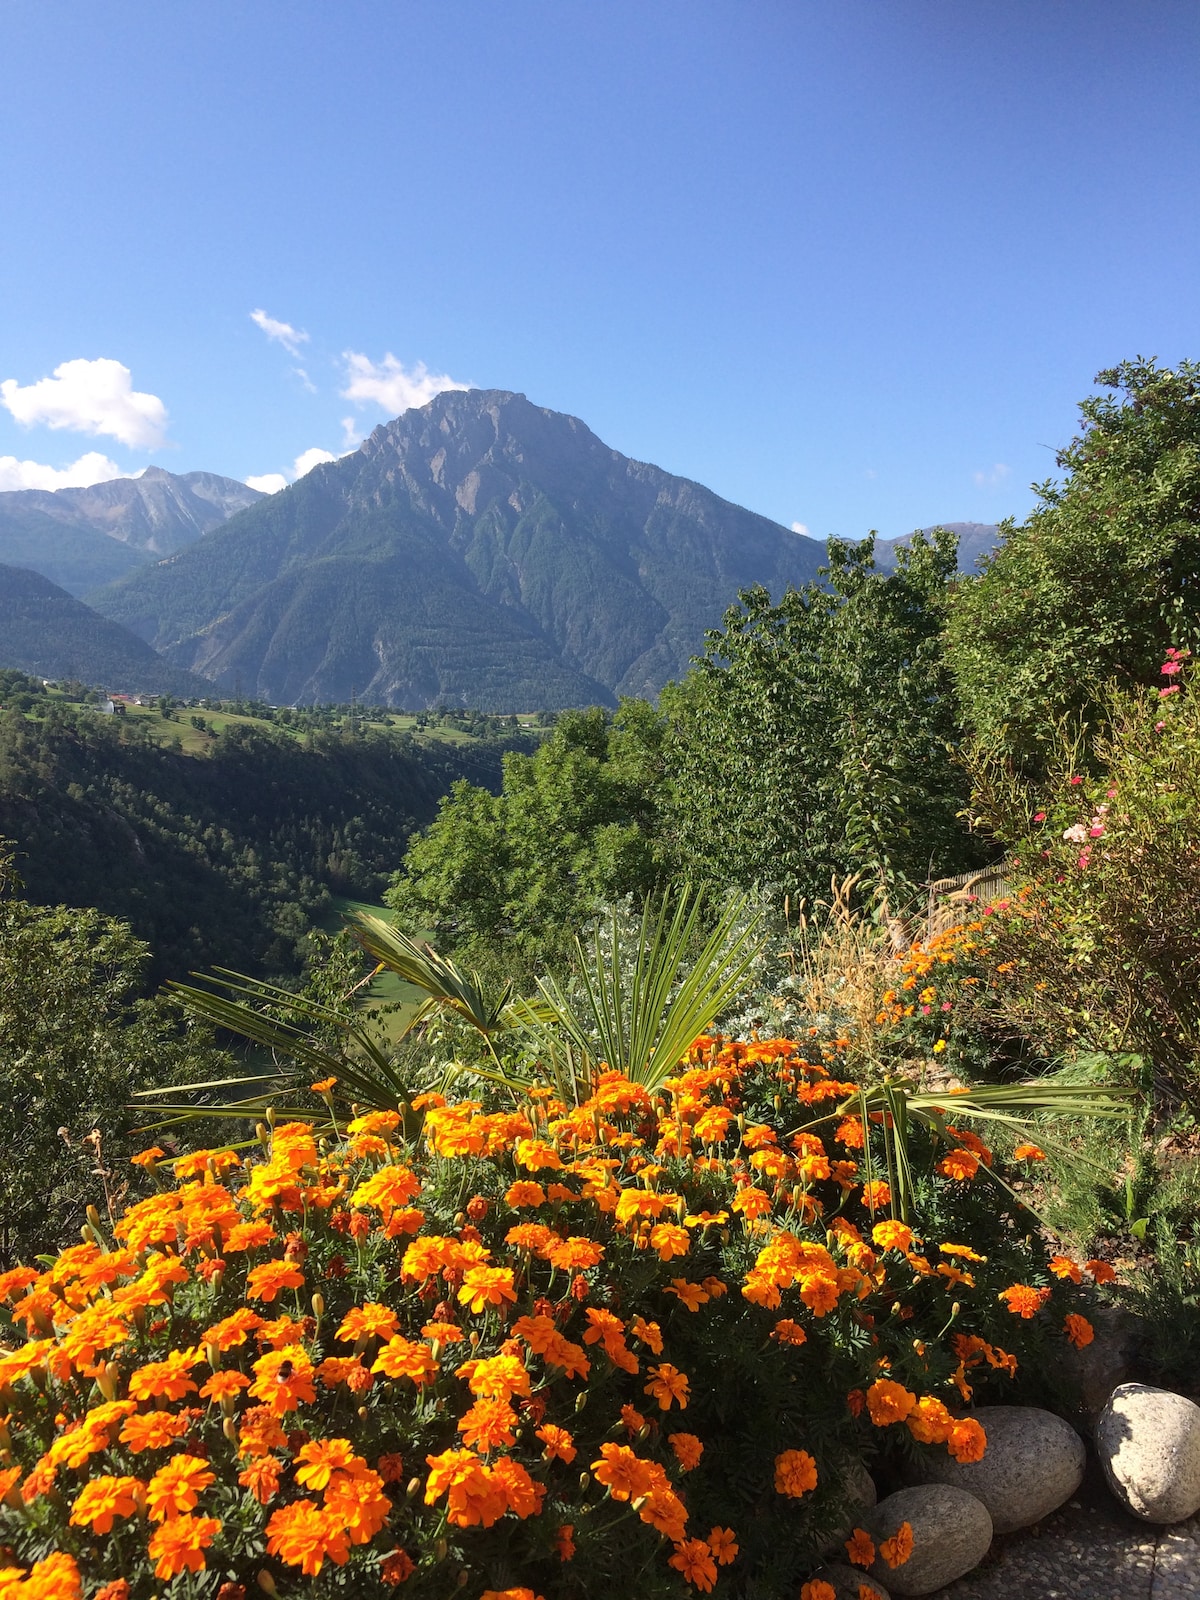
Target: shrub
[619, 1348]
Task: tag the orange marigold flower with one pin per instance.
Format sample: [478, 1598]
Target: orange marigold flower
[223, 1384]
[667, 1384]
[103, 1499]
[688, 1449]
[694, 1560]
[472, 1496]
[961, 1165]
[303, 1536]
[247, 1236]
[153, 1431]
[405, 1358]
[118, 1589]
[625, 1475]
[232, 1330]
[876, 1195]
[177, 1487]
[786, 1331]
[498, 1377]
[488, 1423]
[818, 1589]
[320, 1458]
[1101, 1271]
[1024, 1301]
[962, 1250]
[896, 1550]
[179, 1545]
[889, 1402]
[575, 1254]
[795, 1473]
[1063, 1267]
[892, 1235]
[647, 1333]
[265, 1281]
[261, 1477]
[148, 1159]
[358, 1502]
[1029, 1152]
[724, 1546]
[967, 1440]
[283, 1379]
[522, 1494]
[525, 1193]
[558, 1442]
[368, 1321]
[1079, 1330]
[487, 1286]
[669, 1240]
[167, 1378]
[564, 1543]
[396, 1568]
[633, 1419]
[860, 1548]
[693, 1295]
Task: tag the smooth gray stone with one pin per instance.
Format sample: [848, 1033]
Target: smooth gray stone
[1034, 1461]
[848, 1580]
[1148, 1442]
[951, 1534]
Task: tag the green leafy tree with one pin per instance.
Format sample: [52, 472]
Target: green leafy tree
[817, 736]
[74, 1046]
[1101, 577]
[575, 825]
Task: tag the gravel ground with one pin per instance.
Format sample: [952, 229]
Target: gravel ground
[1089, 1550]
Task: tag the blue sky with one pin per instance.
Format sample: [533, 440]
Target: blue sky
[849, 264]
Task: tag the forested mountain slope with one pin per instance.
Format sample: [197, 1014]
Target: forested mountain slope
[47, 632]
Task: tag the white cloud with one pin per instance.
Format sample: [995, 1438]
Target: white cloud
[268, 483]
[272, 482]
[305, 379]
[90, 397]
[282, 332]
[305, 462]
[391, 384]
[81, 474]
[799, 527]
[994, 478]
[351, 434]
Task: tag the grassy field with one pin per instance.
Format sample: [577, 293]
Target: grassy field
[387, 989]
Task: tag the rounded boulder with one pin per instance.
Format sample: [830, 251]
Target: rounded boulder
[848, 1583]
[1148, 1441]
[1034, 1461]
[951, 1532]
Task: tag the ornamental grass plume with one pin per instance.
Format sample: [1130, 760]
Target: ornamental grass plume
[312, 1369]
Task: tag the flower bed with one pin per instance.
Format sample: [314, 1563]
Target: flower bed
[629, 1346]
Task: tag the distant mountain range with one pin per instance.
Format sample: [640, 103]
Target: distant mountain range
[480, 550]
[85, 538]
[48, 633]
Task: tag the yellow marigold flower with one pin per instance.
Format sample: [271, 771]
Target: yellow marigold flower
[795, 1473]
[179, 1545]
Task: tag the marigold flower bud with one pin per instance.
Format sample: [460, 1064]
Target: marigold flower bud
[266, 1582]
[318, 1305]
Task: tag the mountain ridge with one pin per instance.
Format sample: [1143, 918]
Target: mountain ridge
[83, 538]
[481, 517]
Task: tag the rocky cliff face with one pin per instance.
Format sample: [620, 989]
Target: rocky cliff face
[160, 512]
